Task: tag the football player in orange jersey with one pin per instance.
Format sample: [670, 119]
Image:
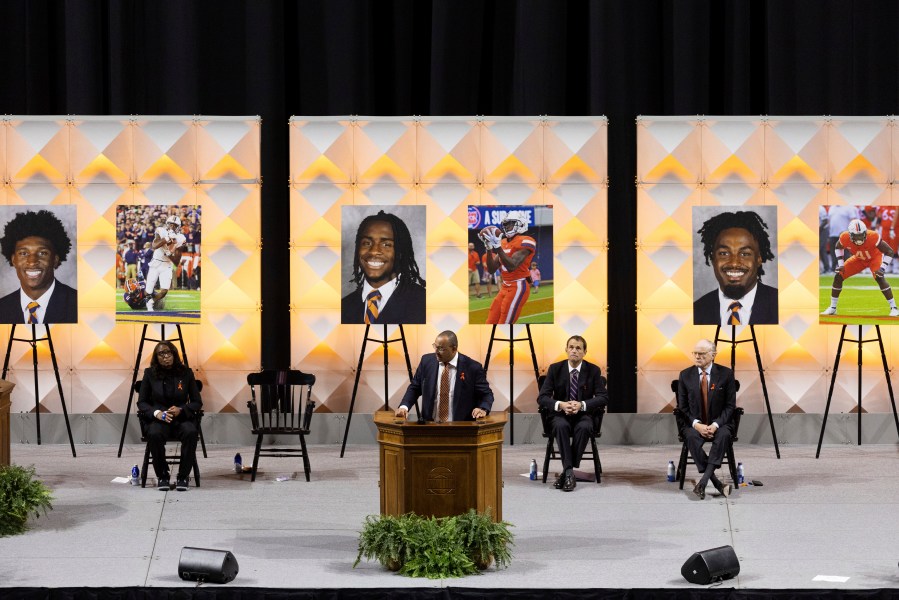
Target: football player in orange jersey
[868, 251]
[886, 215]
[512, 255]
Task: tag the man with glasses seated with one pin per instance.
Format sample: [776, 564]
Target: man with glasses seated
[707, 397]
[169, 400]
[454, 386]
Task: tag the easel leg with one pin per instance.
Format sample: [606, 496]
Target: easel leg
[346, 432]
[758, 361]
[489, 348]
[533, 354]
[409, 366]
[511, 385]
[12, 335]
[37, 395]
[859, 401]
[62, 399]
[386, 372]
[140, 350]
[833, 380]
[886, 373]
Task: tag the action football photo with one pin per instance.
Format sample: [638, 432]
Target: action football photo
[158, 264]
[510, 264]
[857, 247]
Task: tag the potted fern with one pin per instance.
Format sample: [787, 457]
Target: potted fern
[383, 538]
[435, 547]
[485, 540]
[21, 495]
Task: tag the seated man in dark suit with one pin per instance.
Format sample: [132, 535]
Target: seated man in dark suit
[706, 395]
[35, 243]
[390, 289]
[572, 391]
[454, 386]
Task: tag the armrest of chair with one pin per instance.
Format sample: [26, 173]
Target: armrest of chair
[680, 421]
[738, 414]
[254, 414]
[307, 414]
[545, 420]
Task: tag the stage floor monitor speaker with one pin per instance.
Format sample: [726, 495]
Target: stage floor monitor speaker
[711, 565]
[204, 564]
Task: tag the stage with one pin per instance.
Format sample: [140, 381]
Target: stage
[835, 516]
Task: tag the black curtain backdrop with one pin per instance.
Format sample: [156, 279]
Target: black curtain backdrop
[619, 58]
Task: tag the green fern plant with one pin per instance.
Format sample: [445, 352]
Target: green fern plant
[436, 548]
[485, 540]
[21, 495]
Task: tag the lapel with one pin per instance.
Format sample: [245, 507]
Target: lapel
[457, 389]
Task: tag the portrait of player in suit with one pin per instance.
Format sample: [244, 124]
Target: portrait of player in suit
[517, 245]
[38, 244]
[382, 280]
[739, 246]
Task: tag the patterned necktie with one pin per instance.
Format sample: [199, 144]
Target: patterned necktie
[443, 408]
[32, 312]
[704, 386]
[572, 386]
[734, 309]
[371, 306]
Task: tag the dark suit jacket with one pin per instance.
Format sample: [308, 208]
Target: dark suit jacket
[160, 393]
[591, 386]
[62, 308]
[405, 307]
[722, 395]
[706, 310]
[471, 390]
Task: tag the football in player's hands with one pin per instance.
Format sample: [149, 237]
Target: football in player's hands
[491, 236]
[162, 233]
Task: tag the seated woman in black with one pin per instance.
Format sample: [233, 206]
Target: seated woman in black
[168, 401]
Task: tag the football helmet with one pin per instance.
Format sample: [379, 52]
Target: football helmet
[857, 232]
[513, 227]
[132, 286]
[173, 220]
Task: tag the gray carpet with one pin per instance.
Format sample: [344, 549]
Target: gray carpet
[836, 516]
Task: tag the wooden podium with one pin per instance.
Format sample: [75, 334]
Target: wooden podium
[440, 469]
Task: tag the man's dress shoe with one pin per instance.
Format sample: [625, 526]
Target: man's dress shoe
[724, 489]
[569, 483]
[560, 480]
[699, 490]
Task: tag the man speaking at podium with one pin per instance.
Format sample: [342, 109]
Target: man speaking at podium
[454, 387]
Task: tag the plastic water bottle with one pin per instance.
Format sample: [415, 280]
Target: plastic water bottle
[741, 477]
[238, 463]
[533, 469]
[135, 475]
[671, 470]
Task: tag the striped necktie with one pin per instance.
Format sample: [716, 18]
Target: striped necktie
[32, 312]
[572, 386]
[371, 307]
[734, 309]
[443, 409]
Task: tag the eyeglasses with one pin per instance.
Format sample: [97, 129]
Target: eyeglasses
[163, 353]
[700, 354]
[441, 349]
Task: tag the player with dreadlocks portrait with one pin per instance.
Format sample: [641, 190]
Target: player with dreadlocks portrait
[736, 245]
[35, 244]
[389, 286]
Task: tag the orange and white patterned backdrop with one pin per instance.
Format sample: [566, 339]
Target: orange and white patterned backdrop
[97, 163]
[444, 164]
[795, 164]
